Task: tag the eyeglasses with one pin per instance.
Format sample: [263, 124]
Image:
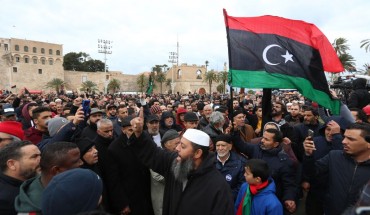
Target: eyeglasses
[6, 138]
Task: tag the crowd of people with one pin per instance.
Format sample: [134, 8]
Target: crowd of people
[182, 154]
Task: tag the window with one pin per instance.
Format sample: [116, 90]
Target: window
[26, 60]
[25, 48]
[42, 51]
[17, 59]
[6, 47]
[34, 60]
[34, 49]
[40, 71]
[199, 74]
[43, 61]
[179, 74]
[58, 52]
[50, 61]
[15, 69]
[50, 51]
[16, 47]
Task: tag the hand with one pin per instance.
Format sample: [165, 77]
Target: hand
[309, 146]
[334, 127]
[137, 126]
[287, 141]
[126, 210]
[290, 205]
[79, 116]
[306, 186]
[77, 102]
[257, 131]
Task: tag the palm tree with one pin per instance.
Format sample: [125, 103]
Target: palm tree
[114, 85]
[347, 62]
[365, 44]
[220, 88]
[168, 84]
[56, 84]
[223, 77]
[207, 63]
[340, 46]
[141, 81]
[210, 77]
[160, 78]
[89, 86]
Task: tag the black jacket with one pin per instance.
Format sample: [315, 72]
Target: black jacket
[9, 189]
[206, 191]
[360, 97]
[346, 177]
[128, 179]
[281, 167]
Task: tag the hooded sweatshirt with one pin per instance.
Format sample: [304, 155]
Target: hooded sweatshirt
[360, 96]
[29, 199]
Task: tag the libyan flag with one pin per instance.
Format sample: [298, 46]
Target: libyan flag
[274, 52]
[149, 90]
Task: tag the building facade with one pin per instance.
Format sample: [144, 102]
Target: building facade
[31, 64]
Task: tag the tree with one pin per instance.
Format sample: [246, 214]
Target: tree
[56, 84]
[365, 44]
[89, 86]
[81, 62]
[341, 47]
[210, 77]
[142, 81]
[114, 85]
[223, 77]
[220, 88]
[168, 84]
[160, 78]
[207, 63]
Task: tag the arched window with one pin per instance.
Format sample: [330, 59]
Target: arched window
[25, 48]
[179, 74]
[50, 51]
[43, 61]
[34, 59]
[58, 52]
[34, 49]
[51, 61]
[42, 51]
[199, 74]
[16, 47]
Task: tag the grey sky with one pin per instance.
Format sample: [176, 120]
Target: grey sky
[145, 31]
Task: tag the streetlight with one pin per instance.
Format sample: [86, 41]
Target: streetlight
[104, 46]
[172, 59]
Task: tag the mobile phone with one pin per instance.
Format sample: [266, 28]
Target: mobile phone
[310, 133]
[86, 107]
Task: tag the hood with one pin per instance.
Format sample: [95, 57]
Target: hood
[359, 83]
[180, 111]
[207, 164]
[271, 188]
[165, 115]
[25, 113]
[29, 198]
[343, 124]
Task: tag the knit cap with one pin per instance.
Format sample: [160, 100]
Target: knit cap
[55, 124]
[169, 135]
[12, 128]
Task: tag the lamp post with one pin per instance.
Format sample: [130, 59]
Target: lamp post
[104, 46]
[173, 58]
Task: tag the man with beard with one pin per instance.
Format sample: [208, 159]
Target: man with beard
[55, 158]
[90, 131]
[270, 149]
[347, 170]
[215, 126]
[111, 112]
[19, 161]
[122, 113]
[277, 114]
[193, 184]
[207, 111]
[127, 178]
[152, 125]
[168, 122]
[310, 121]
[294, 117]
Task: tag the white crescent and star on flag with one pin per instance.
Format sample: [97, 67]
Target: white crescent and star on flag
[287, 56]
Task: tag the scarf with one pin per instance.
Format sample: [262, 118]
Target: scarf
[246, 205]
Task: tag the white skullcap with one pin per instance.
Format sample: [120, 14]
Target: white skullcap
[196, 136]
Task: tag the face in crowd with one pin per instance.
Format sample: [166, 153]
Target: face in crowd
[91, 156]
[153, 127]
[223, 148]
[309, 118]
[122, 112]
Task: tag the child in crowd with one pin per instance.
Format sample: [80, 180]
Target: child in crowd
[257, 195]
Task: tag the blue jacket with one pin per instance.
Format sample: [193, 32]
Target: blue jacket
[233, 171]
[264, 202]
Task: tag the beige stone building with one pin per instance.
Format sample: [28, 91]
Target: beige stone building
[31, 64]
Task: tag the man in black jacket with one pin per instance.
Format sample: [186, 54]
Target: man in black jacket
[19, 161]
[193, 184]
[360, 97]
[348, 170]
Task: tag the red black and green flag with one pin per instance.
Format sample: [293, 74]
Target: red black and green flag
[274, 52]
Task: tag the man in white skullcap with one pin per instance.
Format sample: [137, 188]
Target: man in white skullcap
[193, 184]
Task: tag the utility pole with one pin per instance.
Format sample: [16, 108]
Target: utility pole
[104, 46]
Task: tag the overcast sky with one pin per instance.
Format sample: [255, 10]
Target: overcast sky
[145, 31]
